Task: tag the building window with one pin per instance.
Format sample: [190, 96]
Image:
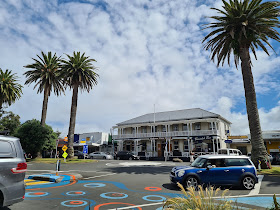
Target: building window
[210, 126]
[176, 145]
[175, 127]
[154, 129]
[163, 127]
[185, 127]
[133, 130]
[186, 146]
[144, 129]
[197, 126]
[144, 146]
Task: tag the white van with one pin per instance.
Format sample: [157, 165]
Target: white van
[229, 151]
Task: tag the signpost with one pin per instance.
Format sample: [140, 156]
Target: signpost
[57, 140]
[85, 150]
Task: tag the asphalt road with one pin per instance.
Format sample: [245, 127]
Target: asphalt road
[122, 184]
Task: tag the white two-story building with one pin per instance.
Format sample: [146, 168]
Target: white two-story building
[173, 133]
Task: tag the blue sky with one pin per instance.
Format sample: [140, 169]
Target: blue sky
[148, 52]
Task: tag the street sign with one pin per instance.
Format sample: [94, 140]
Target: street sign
[64, 155]
[83, 142]
[228, 141]
[237, 137]
[66, 139]
[64, 148]
[85, 149]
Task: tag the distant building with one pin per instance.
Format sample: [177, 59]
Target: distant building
[173, 133]
[96, 141]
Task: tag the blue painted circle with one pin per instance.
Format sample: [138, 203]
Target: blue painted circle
[146, 198]
[104, 195]
[93, 185]
[73, 205]
[160, 208]
[32, 194]
[72, 193]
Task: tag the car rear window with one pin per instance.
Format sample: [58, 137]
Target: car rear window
[6, 149]
[237, 162]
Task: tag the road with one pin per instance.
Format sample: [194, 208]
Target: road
[113, 184]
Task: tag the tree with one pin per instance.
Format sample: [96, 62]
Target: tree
[78, 73]
[10, 90]
[34, 137]
[243, 26]
[10, 122]
[47, 76]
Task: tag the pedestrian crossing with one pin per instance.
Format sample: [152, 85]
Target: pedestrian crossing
[30, 182]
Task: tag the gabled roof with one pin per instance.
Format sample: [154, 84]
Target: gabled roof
[185, 114]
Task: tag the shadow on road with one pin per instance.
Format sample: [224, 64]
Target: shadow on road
[170, 186]
[140, 170]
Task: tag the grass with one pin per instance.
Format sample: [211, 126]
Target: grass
[273, 171]
[52, 160]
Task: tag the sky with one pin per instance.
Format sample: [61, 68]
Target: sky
[148, 52]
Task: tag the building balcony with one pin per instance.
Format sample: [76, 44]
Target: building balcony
[166, 134]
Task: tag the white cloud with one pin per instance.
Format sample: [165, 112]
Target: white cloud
[148, 52]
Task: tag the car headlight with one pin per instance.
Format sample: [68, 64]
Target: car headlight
[180, 173]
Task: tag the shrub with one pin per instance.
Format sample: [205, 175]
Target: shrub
[199, 200]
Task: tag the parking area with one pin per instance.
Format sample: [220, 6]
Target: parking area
[123, 185]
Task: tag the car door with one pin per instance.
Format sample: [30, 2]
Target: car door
[218, 174]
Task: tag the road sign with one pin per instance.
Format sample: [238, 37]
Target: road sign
[66, 139]
[228, 141]
[237, 137]
[83, 142]
[85, 149]
[64, 155]
[64, 148]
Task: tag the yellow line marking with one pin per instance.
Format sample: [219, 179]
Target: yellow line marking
[30, 180]
[35, 183]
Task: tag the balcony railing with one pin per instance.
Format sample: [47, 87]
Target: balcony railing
[167, 134]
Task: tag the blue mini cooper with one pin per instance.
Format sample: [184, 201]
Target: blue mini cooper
[217, 170]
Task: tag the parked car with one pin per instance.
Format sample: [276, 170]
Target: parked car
[217, 170]
[12, 171]
[229, 151]
[124, 155]
[100, 155]
[80, 154]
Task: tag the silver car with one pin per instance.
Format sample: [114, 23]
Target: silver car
[100, 155]
[12, 171]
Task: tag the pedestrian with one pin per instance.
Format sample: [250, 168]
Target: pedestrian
[191, 157]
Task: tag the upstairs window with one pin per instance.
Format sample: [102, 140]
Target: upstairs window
[144, 129]
[197, 126]
[133, 130]
[175, 127]
[185, 127]
[163, 128]
[210, 126]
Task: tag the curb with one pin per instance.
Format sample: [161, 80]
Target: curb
[56, 179]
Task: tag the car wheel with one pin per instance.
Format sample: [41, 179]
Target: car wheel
[104, 157]
[191, 181]
[130, 158]
[248, 183]
[91, 157]
[118, 158]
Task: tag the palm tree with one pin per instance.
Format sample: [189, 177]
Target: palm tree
[47, 76]
[243, 26]
[79, 73]
[10, 91]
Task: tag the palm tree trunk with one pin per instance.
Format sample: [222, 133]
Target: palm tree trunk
[72, 121]
[45, 105]
[259, 152]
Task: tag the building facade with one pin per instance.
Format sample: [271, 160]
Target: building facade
[173, 133]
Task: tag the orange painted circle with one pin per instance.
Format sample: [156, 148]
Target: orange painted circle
[39, 193]
[153, 188]
[76, 202]
[117, 194]
[105, 204]
[78, 192]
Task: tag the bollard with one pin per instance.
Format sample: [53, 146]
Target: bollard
[57, 167]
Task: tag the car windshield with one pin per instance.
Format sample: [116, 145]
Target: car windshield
[199, 162]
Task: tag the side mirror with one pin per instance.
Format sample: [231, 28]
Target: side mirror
[209, 167]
